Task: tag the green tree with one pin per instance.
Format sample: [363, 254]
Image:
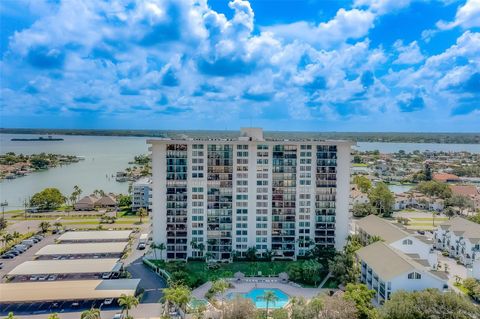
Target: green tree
[57, 225]
[427, 172]
[269, 297]
[362, 297]
[343, 268]
[240, 308]
[44, 226]
[161, 247]
[178, 295]
[124, 200]
[434, 188]
[48, 199]
[10, 316]
[382, 199]
[428, 303]
[7, 238]
[53, 316]
[363, 183]
[93, 313]
[142, 212]
[219, 287]
[363, 209]
[127, 302]
[279, 314]
[462, 202]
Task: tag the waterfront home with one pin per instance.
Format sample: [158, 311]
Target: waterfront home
[416, 246]
[86, 203]
[141, 194]
[386, 269]
[418, 200]
[445, 178]
[469, 191]
[460, 238]
[106, 201]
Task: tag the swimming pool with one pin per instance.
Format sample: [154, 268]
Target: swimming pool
[256, 296]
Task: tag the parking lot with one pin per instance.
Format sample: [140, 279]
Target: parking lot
[150, 283]
[9, 264]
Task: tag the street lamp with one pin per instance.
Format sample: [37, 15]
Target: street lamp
[4, 204]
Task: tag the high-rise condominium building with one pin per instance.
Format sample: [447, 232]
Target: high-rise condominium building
[219, 197]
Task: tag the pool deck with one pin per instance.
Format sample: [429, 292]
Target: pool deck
[247, 284]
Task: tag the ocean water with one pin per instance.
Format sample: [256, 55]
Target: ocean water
[105, 155]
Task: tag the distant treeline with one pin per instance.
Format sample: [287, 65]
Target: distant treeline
[449, 138]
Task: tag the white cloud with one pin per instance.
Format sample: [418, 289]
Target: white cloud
[382, 6]
[468, 16]
[409, 54]
[347, 24]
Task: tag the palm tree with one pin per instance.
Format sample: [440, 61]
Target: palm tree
[127, 302]
[10, 316]
[161, 247]
[219, 287]
[57, 225]
[7, 238]
[201, 248]
[178, 295]
[93, 313]
[269, 296]
[44, 226]
[16, 235]
[142, 212]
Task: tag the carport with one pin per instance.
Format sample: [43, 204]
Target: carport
[50, 270]
[83, 250]
[69, 290]
[95, 236]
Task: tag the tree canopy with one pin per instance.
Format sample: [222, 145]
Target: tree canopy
[49, 198]
[382, 199]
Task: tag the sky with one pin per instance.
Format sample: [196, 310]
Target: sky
[309, 65]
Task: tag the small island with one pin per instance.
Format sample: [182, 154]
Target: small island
[38, 139]
[16, 165]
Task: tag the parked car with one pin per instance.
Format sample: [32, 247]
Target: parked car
[106, 275]
[33, 278]
[21, 248]
[35, 240]
[42, 277]
[118, 316]
[14, 252]
[1, 265]
[28, 242]
[52, 277]
[8, 256]
[108, 301]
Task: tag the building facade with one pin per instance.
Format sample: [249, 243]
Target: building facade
[141, 194]
[221, 197]
[385, 270]
[460, 238]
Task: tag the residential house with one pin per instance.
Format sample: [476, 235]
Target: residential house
[417, 247]
[141, 194]
[107, 201]
[358, 197]
[86, 203]
[470, 191]
[386, 269]
[418, 200]
[445, 178]
[460, 238]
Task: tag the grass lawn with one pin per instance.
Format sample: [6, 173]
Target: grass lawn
[461, 288]
[429, 218]
[360, 165]
[199, 272]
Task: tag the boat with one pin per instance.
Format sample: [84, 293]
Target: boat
[41, 139]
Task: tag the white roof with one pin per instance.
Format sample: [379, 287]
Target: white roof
[66, 290]
[75, 266]
[80, 249]
[95, 235]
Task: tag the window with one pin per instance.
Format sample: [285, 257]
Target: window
[407, 242]
[414, 275]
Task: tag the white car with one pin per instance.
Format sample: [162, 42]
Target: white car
[118, 316]
[106, 275]
[108, 301]
[42, 277]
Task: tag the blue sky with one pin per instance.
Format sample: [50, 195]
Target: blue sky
[359, 65]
